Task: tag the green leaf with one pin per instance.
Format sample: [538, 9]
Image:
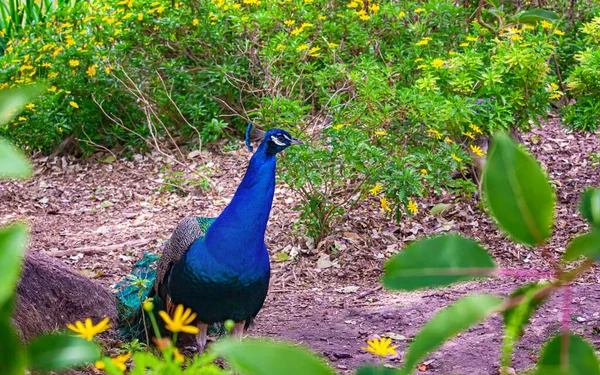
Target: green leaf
[13, 240]
[13, 164]
[448, 322]
[579, 358]
[59, 351]
[12, 358]
[515, 318]
[587, 245]
[376, 371]
[517, 192]
[260, 357]
[437, 261]
[439, 208]
[534, 16]
[590, 207]
[14, 99]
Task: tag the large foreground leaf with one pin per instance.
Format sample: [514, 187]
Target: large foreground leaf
[55, 352]
[260, 357]
[587, 245]
[12, 360]
[462, 314]
[13, 164]
[533, 16]
[437, 261]
[518, 193]
[568, 355]
[12, 246]
[13, 100]
[590, 207]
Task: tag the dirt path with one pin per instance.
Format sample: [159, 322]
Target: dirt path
[79, 211]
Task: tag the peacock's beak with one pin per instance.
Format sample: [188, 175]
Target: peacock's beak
[296, 141]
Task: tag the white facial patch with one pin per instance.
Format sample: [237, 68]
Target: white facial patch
[277, 141]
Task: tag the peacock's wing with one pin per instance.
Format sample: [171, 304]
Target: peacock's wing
[188, 231]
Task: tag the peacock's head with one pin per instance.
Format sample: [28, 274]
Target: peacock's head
[275, 140]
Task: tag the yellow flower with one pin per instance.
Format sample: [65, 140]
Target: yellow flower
[289, 22]
[332, 45]
[195, 22]
[412, 207]
[558, 32]
[321, 17]
[376, 189]
[423, 42]
[91, 70]
[74, 62]
[140, 16]
[30, 106]
[477, 150]
[302, 47]
[419, 10]
[434, 133]
[555, 96]
[374, 8]
[468, 134]
[180, 320]
[237, 6]
[280, 47]
[456, 158]
[464, 44]
[546, 24]
[554, 86]
[21, 118]
[384, 204]
[73, 104]
[401, 14]
[89, 330]
[471, 39]
[313, 52]
[475, 128]
[381, 347]
[352, 4]
[381, 132]
[451, 53]
[118, 361]
[516, 38]
[178, 356]
[296, 31]
[306, 24]
[437, 63]
[147, 305]
[423, 171]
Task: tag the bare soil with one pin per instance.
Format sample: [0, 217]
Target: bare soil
[100, 217]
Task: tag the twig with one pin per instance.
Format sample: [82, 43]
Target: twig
[94, 250]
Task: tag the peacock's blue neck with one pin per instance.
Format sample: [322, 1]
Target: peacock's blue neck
[240, 229]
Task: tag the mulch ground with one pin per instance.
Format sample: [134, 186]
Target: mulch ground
[100, 217]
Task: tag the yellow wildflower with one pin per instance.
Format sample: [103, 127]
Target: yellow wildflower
[332, 45]
[465, 44]
[475, 128]
[296, 31]
[89, 330]
[91, 70]
[456, 158]
[381, 132]
[280, 47]
[381, 347]
[448, 140]
[423, 42]
[21, 118]
[385, 204]
[434, 133]
[30, 106]
[118, 361]
[546, 24]
[558, 32]
[289, 22]
[302, 47]
[376, 189]
[374, 8]
[306, 24]
[477, 150]
[352, 4]
[180, 320]
[313, 52]
[419, 10]
[468, 134]
[73, 104]
[237, 6]
[321, 17]
[178, 356]
[412, 207]
[471, 39]
[195, 22]
[437, 63]
[555, 96]
[140, 16]
[401, 14]
[147, 305]
[74, 62]
[423, 171]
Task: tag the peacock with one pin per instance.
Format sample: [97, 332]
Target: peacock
[219, 267]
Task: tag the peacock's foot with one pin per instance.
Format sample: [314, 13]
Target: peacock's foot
[238, 330]
[201, 337]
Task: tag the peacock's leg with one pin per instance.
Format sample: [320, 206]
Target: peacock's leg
[238, 329]
[201, 336]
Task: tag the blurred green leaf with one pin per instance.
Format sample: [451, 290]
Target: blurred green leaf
[376, 371]
[439, 208]
[12, 358]
[448, 322]
[587, 245]
[590, 207]
[533, 16]
[517, 192]
[579, 358]
[437, 261]
[259, 357]
[515, 318]
[13, 164]
[59, 351]
[13, 240]
[13, 100]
